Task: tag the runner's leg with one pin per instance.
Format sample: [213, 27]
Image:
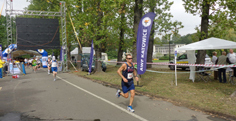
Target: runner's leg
[132, 94]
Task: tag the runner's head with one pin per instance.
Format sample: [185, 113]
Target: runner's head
[129, 58]
[53, 58]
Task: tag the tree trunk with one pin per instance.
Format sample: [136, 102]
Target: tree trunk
[150, 44]
[204, 30]
[122, 32]
[79, 57]
[138, 10]
[98, 64]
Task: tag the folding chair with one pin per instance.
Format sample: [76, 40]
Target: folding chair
[203, 74]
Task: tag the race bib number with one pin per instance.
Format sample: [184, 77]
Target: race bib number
[54, 64]
[130, 76]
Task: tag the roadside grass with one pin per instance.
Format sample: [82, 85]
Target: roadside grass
[212, 97]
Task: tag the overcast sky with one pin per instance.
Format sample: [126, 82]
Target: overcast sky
[189, 21]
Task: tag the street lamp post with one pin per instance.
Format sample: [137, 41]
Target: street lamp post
[169, 47]
[169, 50]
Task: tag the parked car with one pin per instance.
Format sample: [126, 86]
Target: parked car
[183, 59]
[85, 66]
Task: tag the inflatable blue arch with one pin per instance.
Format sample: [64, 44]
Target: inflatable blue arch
[13, 47]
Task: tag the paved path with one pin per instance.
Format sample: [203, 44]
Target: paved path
[36, 97]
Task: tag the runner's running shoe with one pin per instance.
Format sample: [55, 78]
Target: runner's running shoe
[130, 109]
[118, 93]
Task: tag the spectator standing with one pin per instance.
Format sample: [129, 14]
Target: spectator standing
[1, 65]
[214, 58]
[232, 60]
[222, 60]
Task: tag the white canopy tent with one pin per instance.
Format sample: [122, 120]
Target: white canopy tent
[87, 50]
[206, 44]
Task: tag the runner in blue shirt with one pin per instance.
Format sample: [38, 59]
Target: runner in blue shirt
[127, 82]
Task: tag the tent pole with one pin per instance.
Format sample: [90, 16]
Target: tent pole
[175, 68]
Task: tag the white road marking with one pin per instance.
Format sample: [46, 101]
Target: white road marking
[134, 115]
[0, 88]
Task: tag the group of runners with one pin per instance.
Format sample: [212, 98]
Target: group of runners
[126, 72]
[34, 63]
[52, 65]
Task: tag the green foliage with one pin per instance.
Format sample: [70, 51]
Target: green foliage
[187, 39]
[112, 54]
[166, 57]
[3, 33]
[221, 18]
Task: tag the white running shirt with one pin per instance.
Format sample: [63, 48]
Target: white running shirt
[54, 63]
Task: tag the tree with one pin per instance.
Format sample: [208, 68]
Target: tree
[138, 12]
[187, 39]
[162, 23]
[122, 31]
[3, 33]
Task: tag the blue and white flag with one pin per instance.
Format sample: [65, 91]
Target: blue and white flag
[61, 54]
[91, 58]
[144, 29]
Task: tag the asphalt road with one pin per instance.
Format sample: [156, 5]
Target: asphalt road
[36, 97]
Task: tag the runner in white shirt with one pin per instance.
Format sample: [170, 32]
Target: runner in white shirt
[30, 62]
[26, 61]
[54, 67]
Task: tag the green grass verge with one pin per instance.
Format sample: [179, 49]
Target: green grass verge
[212, 96]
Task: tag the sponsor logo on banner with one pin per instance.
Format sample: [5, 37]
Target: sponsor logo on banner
[8, 51]
[146, 21]
[40, 50]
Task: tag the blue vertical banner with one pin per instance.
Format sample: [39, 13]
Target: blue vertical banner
[61, 54]
[91, 58]
[144, 29]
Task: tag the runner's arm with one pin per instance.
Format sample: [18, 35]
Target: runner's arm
[119, 71]
[135, 74]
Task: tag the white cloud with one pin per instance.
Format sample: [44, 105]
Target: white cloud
[188, 20]
[17, 5]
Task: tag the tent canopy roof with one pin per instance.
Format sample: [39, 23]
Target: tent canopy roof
[74, 52]
[209, 44]
[17, 53]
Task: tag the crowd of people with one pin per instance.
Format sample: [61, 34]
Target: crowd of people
[224, 59]
[32, 63]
